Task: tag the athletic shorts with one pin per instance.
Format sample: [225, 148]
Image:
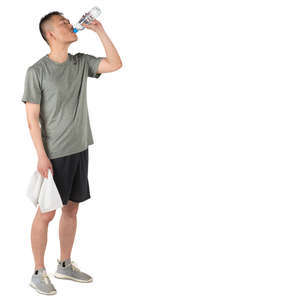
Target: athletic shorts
[71, 176]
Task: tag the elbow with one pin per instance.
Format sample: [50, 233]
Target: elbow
[118, 66]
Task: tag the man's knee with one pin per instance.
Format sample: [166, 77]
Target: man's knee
[70, 210]
[48, 216]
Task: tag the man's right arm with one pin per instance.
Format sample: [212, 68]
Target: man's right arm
[32, 115]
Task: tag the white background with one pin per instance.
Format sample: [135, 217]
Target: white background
[194, 174]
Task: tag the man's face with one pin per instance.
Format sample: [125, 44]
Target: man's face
[63, 30]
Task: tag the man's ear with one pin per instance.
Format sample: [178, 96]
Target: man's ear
[49, 36]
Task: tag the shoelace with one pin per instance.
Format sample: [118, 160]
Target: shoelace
[45, 277]
[74, 266]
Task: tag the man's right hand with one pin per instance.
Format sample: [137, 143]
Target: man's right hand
[44, 164]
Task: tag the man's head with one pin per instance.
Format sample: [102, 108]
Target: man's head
[56, 29]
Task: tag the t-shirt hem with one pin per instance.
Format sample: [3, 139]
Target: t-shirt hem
[68, 153]
[31, 100]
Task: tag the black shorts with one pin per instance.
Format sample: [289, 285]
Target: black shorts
[71, 176]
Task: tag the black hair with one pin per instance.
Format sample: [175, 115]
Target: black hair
[46, 18]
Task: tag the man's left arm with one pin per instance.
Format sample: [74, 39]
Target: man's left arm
[112, 62]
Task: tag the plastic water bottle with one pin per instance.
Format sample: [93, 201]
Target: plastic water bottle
[87, 18]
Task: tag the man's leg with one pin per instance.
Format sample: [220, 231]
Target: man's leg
[67, 229]
[39, 231]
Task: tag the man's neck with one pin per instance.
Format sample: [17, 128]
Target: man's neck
[59, 54]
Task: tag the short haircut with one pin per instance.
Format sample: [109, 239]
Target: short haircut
[44, 20]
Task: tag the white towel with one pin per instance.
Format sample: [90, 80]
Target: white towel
[43, 191]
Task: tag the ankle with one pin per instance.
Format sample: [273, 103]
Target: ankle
[64, 259]
[39, 268]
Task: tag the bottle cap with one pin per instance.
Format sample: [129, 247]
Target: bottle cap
[75, 30]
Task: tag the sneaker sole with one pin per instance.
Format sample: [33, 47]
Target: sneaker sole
[62, 276]
[41, 292]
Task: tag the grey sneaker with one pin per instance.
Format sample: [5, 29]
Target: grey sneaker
[41, 282]
[68, 270]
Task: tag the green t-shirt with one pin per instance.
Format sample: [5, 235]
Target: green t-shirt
[60, 89]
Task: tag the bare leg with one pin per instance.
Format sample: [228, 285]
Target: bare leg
[67, 229]
[39, 232]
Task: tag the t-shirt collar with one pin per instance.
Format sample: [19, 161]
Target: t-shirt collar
[57, 63]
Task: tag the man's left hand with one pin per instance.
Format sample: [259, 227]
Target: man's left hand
[95, 25]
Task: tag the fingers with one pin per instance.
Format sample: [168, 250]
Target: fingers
[51, 169]
[44, 174]
[94, 22]
[44, 164]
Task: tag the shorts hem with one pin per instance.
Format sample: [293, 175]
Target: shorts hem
[78, 201]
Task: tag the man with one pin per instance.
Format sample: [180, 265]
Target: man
[55, 96]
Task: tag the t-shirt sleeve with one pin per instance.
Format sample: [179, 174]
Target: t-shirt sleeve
[92, 63]
[32, 91]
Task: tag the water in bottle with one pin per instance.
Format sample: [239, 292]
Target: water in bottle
[87, 18]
